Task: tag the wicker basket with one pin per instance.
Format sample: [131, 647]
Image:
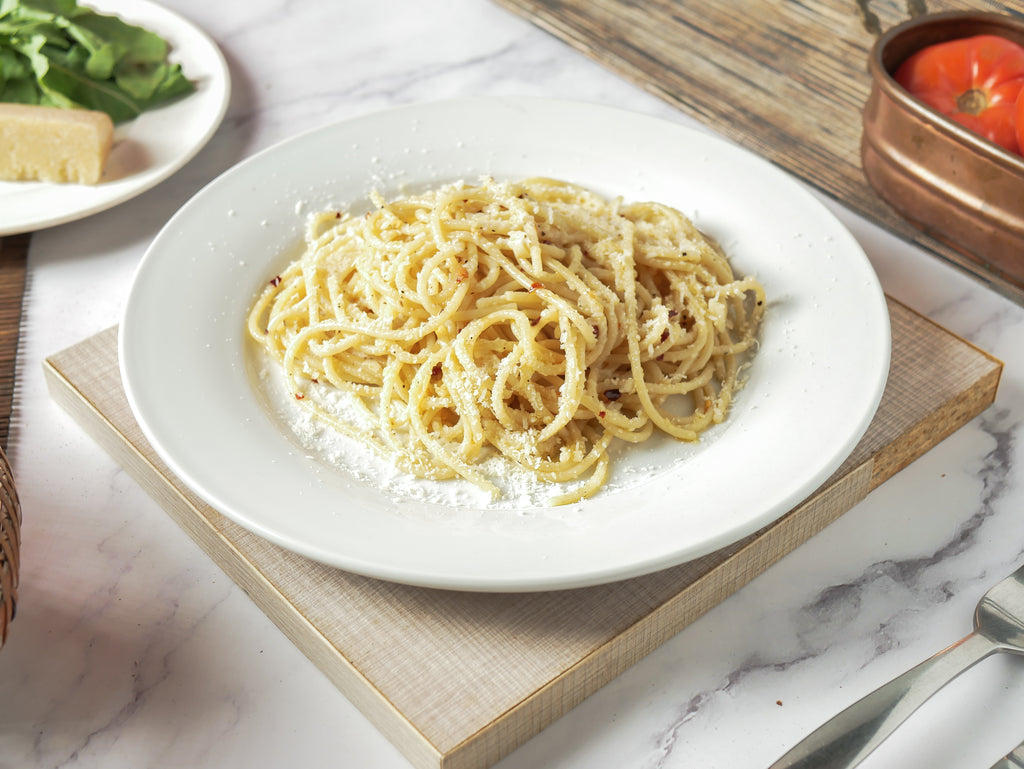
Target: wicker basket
[10, 539]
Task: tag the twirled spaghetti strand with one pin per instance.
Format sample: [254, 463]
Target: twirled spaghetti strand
[532, 320]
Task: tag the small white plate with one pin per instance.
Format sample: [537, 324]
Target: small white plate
[812, 389]
[147, 149]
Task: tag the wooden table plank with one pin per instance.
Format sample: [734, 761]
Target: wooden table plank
[787, 80]
[13, 278]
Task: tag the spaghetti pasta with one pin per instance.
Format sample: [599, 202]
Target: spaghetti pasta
[534, 320]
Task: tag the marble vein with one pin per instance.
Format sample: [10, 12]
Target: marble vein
[840, 605]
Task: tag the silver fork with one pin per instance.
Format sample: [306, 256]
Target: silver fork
[847, 738]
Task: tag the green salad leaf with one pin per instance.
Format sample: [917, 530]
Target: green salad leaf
[61, 54]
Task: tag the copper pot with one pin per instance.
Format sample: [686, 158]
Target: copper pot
[952, 183]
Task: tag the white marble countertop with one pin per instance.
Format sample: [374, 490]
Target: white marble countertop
[131, 649]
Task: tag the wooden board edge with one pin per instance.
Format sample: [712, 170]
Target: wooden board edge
[569, 689]
[942, 422]
[384, 716]
[924, 318]
[946, 418]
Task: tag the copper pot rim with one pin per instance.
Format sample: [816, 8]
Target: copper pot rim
[978, 23]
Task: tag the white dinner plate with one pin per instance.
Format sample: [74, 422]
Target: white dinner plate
[147, 149]
[811, 391]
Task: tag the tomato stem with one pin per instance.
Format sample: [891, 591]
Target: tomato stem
[972, 102]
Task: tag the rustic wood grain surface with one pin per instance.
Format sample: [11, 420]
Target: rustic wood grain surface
[13, 269]
[787, 80]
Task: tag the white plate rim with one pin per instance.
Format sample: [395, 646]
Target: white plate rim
[30, 206]
[467, 572]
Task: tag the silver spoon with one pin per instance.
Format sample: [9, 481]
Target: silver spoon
[1012, 760]
[846, 739]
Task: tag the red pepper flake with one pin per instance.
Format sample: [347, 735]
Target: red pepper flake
[601, 414]
[299, 396]
[535, 286]
[707, 404]
[314, 380]
[664, 335]
[337, 214]
[436, 371]
[276, 280]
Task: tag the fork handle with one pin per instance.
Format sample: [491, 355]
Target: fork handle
[846, 739]
[1013, 760]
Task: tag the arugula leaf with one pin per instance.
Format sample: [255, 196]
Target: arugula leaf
[140, 44]
[12, 66]
[53, 7]
[17, 82]
[22, 91]
[59, 53]
[64, 83]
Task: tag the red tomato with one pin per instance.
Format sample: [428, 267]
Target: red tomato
[976, 81]
[1020, 122]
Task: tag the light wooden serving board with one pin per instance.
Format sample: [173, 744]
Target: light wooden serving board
[787, 80]
[458, 680]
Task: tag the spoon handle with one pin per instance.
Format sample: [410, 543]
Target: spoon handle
[846, 739]
[1013, 760]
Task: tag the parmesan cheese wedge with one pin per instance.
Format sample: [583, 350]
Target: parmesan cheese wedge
[53, 145]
